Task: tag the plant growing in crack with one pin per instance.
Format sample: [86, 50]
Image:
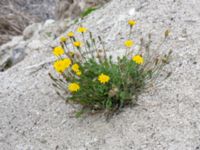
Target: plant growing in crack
[89, 76]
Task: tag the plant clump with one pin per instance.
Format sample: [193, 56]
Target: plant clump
[88, 75]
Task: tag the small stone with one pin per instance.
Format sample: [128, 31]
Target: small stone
[132, 12]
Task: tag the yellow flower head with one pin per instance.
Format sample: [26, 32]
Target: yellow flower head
[138, 59]
[70, 34]
[73, 87]
[75, 67]
[78, 73]
[63, 39]
[58, 51]
[77, 44]
[67, 62]
[82, 29]
[103, 78]
[131, 22]
[129, 43]
[59, 66]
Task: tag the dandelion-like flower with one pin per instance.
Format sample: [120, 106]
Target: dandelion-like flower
[78, 73]
[131, 22]
[63, 39]
[67, 62]
[82, 29]
[58, 51]
[103, 78]
[77, 44]
[75, 67]
[70, 34]
[129, 43]
[138, 59]
[59, 66]
[73, 87]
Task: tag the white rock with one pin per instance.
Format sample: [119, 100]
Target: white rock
[131, 12]
[35, 44]
[31, 30]
[48, 22]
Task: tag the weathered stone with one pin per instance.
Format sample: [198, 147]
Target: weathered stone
[9, 52]
[16, 56]
[35, 45]
[167, 117]
[31, 30]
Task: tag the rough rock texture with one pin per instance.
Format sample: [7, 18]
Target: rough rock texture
[35, 37]
[33, 117]
[42, 9]
[16, 15]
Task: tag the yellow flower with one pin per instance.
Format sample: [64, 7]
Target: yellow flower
[131, 22]
[70, 34]
[61, 65]
[103, 78]
[77, 44]
[78, 73]
[138, 59]
[82, 29]
[58, 66]
[75, 67]
[63, 39]
[129, 43]
[73, 87]
[58, 51]
[67, 62]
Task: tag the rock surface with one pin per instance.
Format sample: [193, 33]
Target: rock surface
[168, 117]
[35, 37]
[16, 15]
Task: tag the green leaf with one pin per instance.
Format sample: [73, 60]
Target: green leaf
[87, 11]
[108, 104]
[123, 95]
[88, 44]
